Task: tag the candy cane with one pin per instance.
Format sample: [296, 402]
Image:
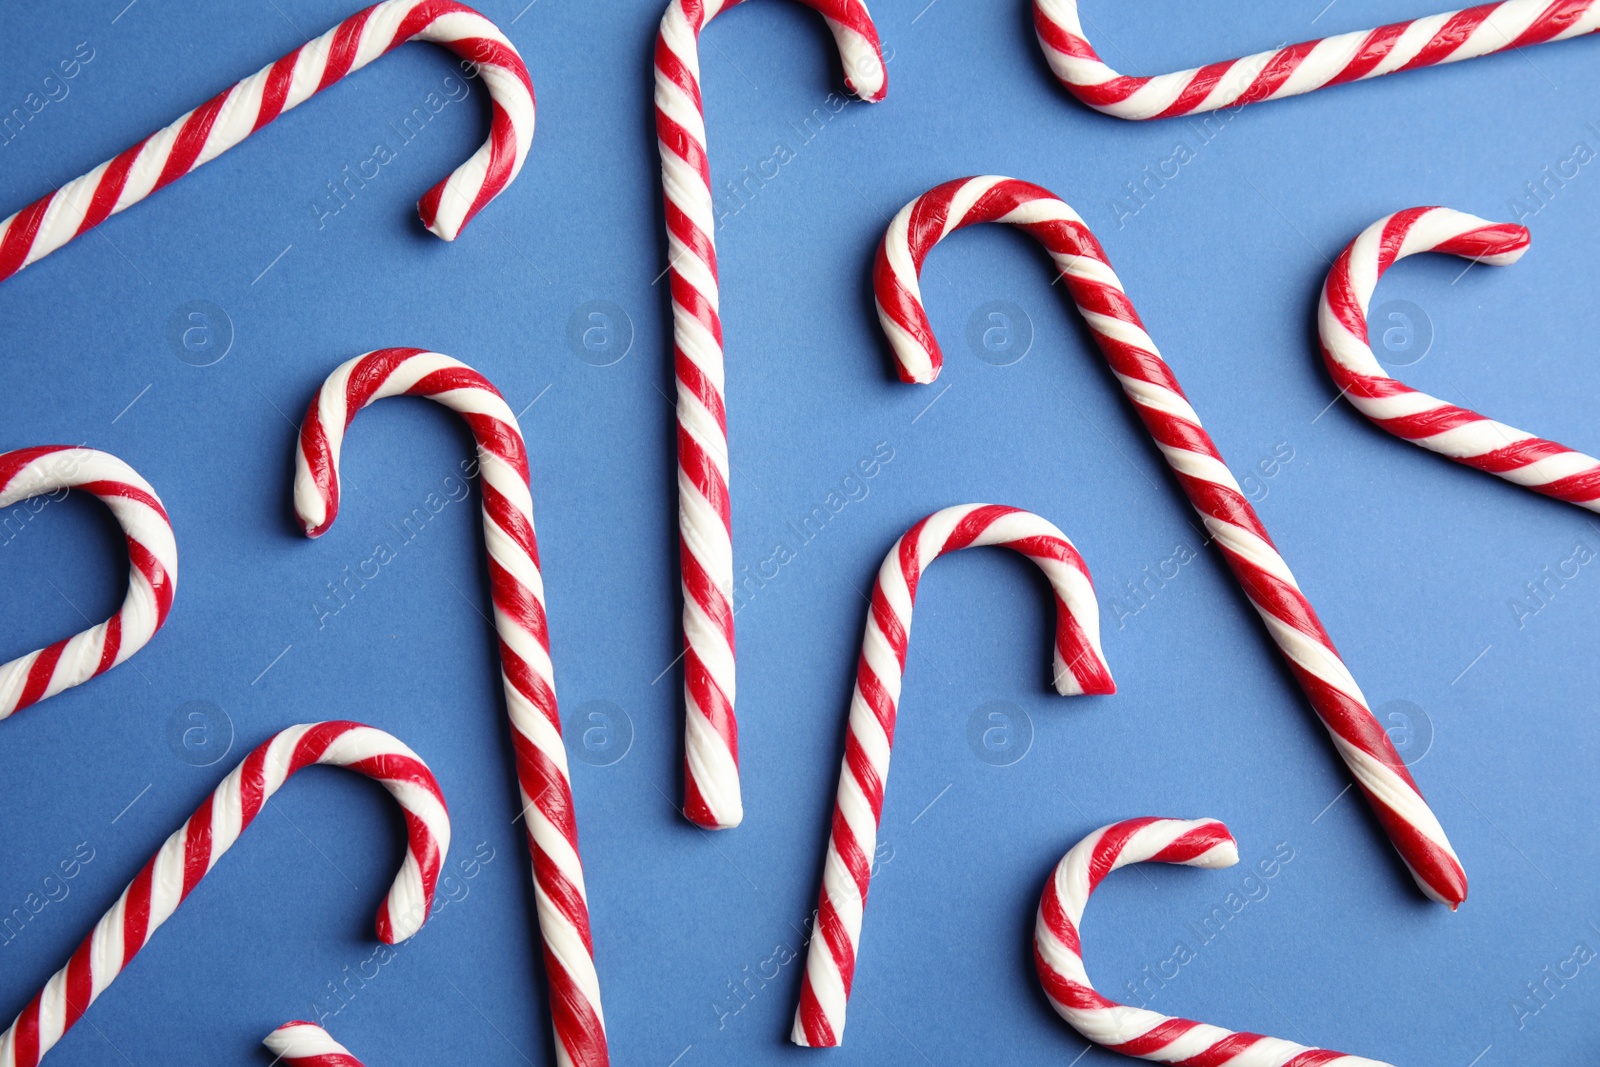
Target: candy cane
[190, 854]
[519, 612]
[152, 572]
[705, 518]
[1300, 68]
[1058, 954]
[1462, 435]
[1153, 390]
[1079, 668]
[231, 116]
[303, 1044]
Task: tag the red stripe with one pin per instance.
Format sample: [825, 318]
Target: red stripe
[39, 675]
[343, 48]
[196, 849]
[1555, 20]
[191, 140]
[20, 236]
[80, 983]
[112, 643]
[108, 190]
[1451, 36]
[13, 463]
[26, 1033]
[275, 90]
[1374, 50]
[577, 1026]
[136, 913]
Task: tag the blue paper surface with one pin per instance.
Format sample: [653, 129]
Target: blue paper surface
[1415, 564]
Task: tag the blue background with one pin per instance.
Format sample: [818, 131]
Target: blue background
[1412, 561]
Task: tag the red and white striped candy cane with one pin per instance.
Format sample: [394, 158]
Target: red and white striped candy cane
[1300, 68]
[231, 116]
[1148, 1035]
[1079, 668]
[705, 518]
[188, 856]
[1230, 521]
[303, 1044]
[517, 591]
[1458, 433]
[152, 568]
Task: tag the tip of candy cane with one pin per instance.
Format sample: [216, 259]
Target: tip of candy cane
[388, 933]
[444, 225]
[1443, 881]
[726, 814]
[875, 96]
[920, 373]
[438, 229]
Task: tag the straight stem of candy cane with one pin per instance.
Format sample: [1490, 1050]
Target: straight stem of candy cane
[1152, 388]
[517, 592]
[1457, 433]
[1148, 1035]
[152, 568]
[1079, 668]
[1300, 68]
[190, 854]
[712, 797]
[228, 118]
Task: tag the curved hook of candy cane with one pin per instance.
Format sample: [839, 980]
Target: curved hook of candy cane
[302, 1044]
[517, 592]
[1460, 434]
[190, 854]
[1231, 522]
[712, 797]
[29, 473]
[1139, 1032]
[1300, 68]
[228, 118]
[1079, 668]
